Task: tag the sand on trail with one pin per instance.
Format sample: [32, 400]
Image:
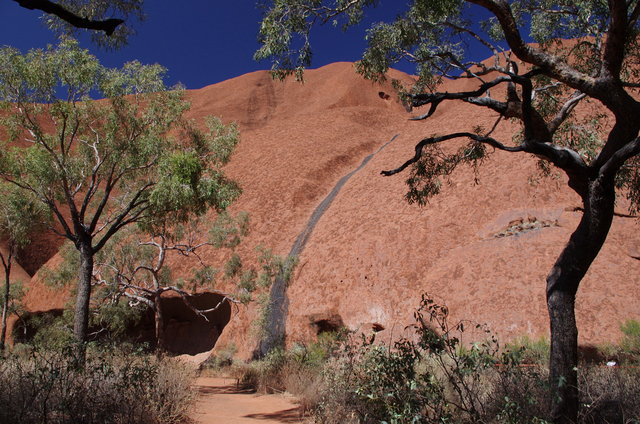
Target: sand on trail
[221, 401]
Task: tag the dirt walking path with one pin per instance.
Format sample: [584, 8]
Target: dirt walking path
[220, 401]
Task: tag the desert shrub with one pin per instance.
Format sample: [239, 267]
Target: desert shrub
[432, 377]
[609, 394]
[297, 371]
[50, 386]
[222, 359]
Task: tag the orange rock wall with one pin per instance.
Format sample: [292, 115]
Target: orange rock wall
[372, 255]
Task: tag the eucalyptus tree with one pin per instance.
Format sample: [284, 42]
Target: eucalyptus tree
[100, 166]
[17, 217]
[543, 94]
[69, 16]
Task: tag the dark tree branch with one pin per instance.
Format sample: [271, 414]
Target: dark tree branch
[435, 140]
[551, 65]
[120, 221]
[186, 297]
[495, 125]
[565, 111]
[633, 17]
[615, 43]
[434, 99]
[611, 167]
[103, 202]
[108, 25]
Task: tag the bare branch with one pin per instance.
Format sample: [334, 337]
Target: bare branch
[186, 297]
[550, 64]
[141, 299]
[495, 125]
[493, 104]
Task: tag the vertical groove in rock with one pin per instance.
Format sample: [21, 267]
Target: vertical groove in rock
[275, 326]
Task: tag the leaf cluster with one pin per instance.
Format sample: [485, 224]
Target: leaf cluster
[425, 180]
[130, 158]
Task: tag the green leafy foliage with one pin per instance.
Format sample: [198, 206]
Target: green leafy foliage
[16, 293]
[273, 266]
[130, 158]
[426, 176]
[122, 142]
[284, 31]
[227, 231]
[18, 214]
[233, 266]
[431, 376]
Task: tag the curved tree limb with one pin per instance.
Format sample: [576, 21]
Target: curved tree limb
[107, 25]
[611, 167]
[434, 140]
[565, 111]
[201, 312]
[434, 99]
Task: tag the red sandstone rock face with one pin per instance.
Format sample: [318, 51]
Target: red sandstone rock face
[483, 248]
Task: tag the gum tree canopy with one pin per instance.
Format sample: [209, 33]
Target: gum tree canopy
[100, 166]
[543, 95]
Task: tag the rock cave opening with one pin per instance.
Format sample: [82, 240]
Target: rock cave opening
[185, 331]
[327, 324]
[189, 333]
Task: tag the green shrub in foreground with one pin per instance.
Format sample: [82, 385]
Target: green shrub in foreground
[431, 377]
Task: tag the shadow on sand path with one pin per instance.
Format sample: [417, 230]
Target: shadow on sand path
[221, 401]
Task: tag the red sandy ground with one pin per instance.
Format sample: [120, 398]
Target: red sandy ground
[220, 401]
[372, 255]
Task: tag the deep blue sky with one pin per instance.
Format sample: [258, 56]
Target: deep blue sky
[201, 42]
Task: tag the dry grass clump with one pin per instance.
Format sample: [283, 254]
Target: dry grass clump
[51, 387]
[609, 394]
[298, 371]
